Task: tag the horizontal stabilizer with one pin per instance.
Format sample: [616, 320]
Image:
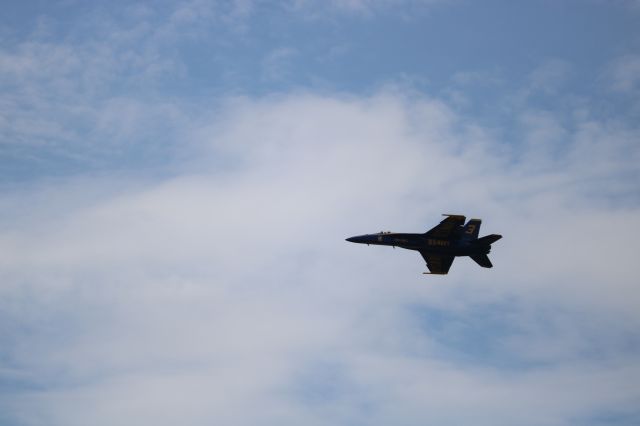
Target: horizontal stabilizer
[489, 239]
[482, 260]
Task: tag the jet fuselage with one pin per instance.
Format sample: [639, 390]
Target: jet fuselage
[440, 245]
[424, 243]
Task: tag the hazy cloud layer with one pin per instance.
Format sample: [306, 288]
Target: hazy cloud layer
[195, 298]
[178, 181]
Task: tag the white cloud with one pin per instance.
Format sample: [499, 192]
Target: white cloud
[228, 295]
[549, 76]
[545, 80]
[359, 7]
[54, 90]
[625, 73]
[276, 65]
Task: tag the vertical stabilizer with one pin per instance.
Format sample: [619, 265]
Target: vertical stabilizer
[471, 229]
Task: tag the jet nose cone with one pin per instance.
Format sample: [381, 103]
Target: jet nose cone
[362, 239]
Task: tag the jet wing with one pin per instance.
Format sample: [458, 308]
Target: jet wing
[445, 228]
[437, 263]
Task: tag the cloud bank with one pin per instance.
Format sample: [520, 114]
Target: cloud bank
[225, 293]
[178, 181]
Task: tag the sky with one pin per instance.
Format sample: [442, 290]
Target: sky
[177, 180]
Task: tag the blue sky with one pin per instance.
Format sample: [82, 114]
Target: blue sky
[483, 58]
[177, 180]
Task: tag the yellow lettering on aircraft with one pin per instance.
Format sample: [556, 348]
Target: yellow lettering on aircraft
[438, 243]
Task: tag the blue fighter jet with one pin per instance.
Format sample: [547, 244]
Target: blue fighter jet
[441, 244]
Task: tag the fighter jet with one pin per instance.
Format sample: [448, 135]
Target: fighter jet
[441, 244]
